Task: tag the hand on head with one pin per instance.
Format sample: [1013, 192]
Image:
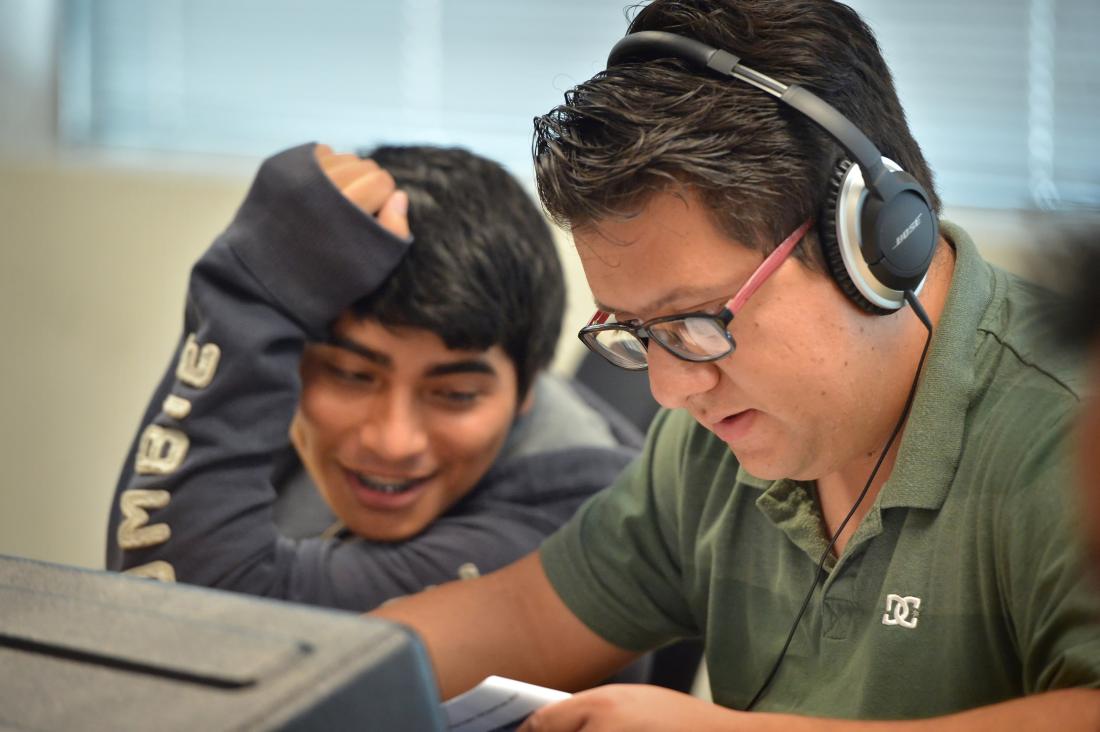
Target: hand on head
[368, 186]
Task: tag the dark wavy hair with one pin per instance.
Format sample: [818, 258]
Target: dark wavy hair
[758, 166]
[482, 270]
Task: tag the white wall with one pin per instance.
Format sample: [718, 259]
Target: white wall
[94, 255]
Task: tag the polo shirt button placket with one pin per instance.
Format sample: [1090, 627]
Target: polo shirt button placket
[838, 598]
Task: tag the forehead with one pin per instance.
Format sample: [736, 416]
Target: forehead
[670, 253]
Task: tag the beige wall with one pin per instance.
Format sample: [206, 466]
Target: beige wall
[94, 265]
[95, 258]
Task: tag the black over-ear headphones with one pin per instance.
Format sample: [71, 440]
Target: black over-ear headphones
[877, 228]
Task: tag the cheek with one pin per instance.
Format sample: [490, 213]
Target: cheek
[799, 318]
[472, 438]
[321, 406]
[323, 418]
[808, 363]
[794, 348]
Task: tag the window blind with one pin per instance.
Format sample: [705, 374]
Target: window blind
[1003, 95]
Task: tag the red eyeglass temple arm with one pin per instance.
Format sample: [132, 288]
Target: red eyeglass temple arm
[758, 277]
[767, 268]
[599, 318]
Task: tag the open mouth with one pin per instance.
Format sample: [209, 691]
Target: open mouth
[736, 426]
[388, 486]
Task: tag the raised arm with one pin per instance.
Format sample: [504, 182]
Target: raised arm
[316, 232]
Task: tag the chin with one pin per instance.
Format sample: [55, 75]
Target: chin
[759, 464]
[769, 466]
[389, 534]
[763, 471]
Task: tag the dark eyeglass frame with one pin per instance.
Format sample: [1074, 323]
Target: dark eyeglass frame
[643, 332]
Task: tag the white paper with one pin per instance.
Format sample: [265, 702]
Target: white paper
[497, 703]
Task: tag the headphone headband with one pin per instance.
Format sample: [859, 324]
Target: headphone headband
[878, 232]
[647, 45]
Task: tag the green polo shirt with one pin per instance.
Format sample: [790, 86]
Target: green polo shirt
[960, 588]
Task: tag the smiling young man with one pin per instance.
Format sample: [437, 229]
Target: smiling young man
[861, 530]
[392, 475]
[354, 413]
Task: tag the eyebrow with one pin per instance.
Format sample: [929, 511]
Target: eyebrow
[696, 294]
[470, 366]
[358, 348]
[465, 366]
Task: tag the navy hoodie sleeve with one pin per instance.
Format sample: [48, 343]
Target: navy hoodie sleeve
[195, 499]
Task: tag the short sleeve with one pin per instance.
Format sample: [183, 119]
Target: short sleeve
[618, 564]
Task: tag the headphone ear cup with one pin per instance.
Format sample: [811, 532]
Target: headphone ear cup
[832, 240]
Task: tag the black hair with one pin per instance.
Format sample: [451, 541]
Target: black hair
[483, 269]
[760, 167]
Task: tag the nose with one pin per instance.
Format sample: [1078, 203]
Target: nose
[673, 381]
[394, 430]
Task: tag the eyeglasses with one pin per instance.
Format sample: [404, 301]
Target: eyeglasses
[697, 337]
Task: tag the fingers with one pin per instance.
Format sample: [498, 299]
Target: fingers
[369, 189]
[330, 161]
[564, 716]
[341, 168]
[367, 186]
[347, 169]
[394, 215]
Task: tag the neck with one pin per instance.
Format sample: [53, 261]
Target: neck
[838, 491]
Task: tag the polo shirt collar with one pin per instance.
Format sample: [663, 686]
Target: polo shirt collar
[932, 442]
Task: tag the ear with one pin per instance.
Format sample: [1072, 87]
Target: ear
[299, 438]
[297, 433]
[528, 400]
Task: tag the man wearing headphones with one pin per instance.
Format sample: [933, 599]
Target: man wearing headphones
[858, 494]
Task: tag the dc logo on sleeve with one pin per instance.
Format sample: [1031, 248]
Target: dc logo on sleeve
[903, 611]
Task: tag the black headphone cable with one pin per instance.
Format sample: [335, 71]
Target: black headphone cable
[918, 309]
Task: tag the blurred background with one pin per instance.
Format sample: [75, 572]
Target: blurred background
[129, 131]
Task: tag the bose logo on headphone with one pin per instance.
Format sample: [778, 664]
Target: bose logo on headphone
[908, 230]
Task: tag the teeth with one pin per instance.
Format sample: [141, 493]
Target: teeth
[384, 487]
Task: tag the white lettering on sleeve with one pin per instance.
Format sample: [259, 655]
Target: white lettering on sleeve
[176, 407]
[158, 570]
[133, 533]
[198, 365]
[160, 450]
